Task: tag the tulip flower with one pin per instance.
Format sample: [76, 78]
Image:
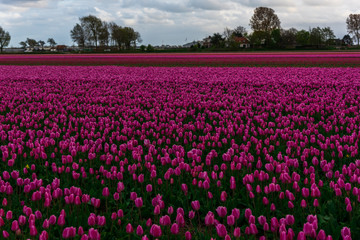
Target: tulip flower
[155, 230]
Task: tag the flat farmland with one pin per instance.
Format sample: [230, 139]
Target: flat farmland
[261, 59]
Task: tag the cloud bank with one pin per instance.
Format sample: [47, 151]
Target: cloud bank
[165, 21]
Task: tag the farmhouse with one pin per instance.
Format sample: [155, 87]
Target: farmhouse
[242, 41]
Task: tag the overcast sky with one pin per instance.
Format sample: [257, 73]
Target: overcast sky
[170, 22]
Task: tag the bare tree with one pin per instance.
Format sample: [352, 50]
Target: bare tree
[227, 34]
[4, 39]
[328, 34]
[117, 34]
[239, 31]
[92, 26]
[78, 35]
[264, 20]
[353, 26]
[104, 34]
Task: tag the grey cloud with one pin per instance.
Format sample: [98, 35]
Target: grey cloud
[168, 6]
[265, 3]
[18, 1]
[208, 4]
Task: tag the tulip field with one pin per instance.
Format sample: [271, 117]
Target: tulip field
[242, 59]
[118, 152]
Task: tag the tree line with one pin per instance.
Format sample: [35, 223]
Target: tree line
[267, 32]
[93, 32]
[31, 43]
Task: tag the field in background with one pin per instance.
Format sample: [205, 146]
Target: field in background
[277, 59]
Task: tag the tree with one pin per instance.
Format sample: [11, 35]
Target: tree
[92, 27]
[239, 31]
[347, 40]
[316, 36]
[104, 34]
[302, 37]
[227, 34]
[275, 38]
[217, 40]
[41, 43]
[258, 38]
[264, 20]
[31, 42]
[23, 44]
[137, 38]
[288, 37]
[150, 48]
[124, 37]
[78, 35]
[117, 34]
[4, 39]
[52, 42]
[353, 26]
[328, 34]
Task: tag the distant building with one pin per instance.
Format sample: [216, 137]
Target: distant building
[206, 42]
[14, 50]
[190, 44]
[242, 42]
[61, 48]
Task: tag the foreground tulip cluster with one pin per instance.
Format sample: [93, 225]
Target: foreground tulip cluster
[179, 153]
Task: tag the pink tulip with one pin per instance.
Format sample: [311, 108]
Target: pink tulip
[9, 215]
[149, 188]
[180, 220]
[133, 196]
[223, 196]
[237, 232]
[170, 210]
[44, 235]
[262, 220]
[174, 228]
[165, 220]
[191, 214]
[321, 235]
[138, 202]
[221, 211]
[230, 220]
[14, 226]
[61, 220]
[209, 219]
[139, 230]
[188, 235]
[33, 231]
[157, 210]
[221, 230]
[345, 232]
[52, 220]
[105, 192]
[5, 234]
[91, 220]
[155, 230]
[195, 205]
[129, 228]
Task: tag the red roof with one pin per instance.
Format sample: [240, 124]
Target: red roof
[241, 40]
